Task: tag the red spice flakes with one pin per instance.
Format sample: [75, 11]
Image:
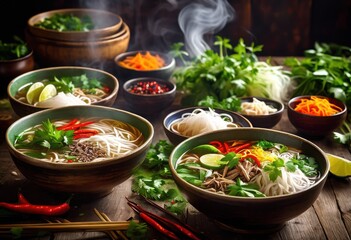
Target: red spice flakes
[148, 87]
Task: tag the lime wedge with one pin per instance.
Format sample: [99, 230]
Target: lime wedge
[339, 166]
[212, 160]
[49, 91]
[33, 92]
[205, 149]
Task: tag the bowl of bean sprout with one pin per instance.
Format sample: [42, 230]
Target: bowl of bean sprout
[249, 180]
[261, 112]
[188, 122]
[86, 150]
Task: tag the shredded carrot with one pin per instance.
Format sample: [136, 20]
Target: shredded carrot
[317, 106]
[141, 61]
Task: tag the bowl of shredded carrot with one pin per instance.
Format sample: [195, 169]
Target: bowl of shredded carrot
[137, 64]
[316, 116]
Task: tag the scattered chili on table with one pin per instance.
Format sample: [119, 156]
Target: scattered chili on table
[24, 206]
[148, 87]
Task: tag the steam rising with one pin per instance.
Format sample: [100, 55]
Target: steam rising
[198, 19]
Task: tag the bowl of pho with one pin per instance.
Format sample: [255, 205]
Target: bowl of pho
[252, 179]
[79, 149]
[61, 86]
[188, 122]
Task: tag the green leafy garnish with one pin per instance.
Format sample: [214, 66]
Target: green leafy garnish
[231, 160]
[66, 22]
[344, 136]
[67, 84]
[12, 50]
[231, 103]
[244, 189]
[307, 165]
[274, 169]
[137, 231]
[48, 138]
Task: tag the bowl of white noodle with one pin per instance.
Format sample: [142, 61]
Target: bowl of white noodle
[257, 180]
[188, 122]
[261, 112]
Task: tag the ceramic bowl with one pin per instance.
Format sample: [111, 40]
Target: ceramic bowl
[172, 117]
[148, 104]
[91, 53]
[23, 109]
[164, 73]
[105, 24]
[250, 214]
[264, 121]
[98, 177]
[315, 126]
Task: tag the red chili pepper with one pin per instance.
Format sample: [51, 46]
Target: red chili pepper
[79, 131]
[68, 124]
[48, 210]
[157, 226]
[218, 145]
[106, 89]
[83, 135]
[237, 149]
[253, 157]
[78, 125]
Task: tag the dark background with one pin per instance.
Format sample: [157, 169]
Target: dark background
[284, 27]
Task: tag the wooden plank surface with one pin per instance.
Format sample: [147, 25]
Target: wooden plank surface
[329, 218]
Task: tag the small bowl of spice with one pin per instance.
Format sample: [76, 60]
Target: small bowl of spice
[148, 96]
[316, 116]
[137, 64]
[261, 112]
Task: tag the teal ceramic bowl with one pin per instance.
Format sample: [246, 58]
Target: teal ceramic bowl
[98, 177]
[249, 214]
[23, 109]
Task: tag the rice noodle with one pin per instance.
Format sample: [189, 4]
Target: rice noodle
[256, 107]
[201, 121]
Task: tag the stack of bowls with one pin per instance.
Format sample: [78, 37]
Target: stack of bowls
[109, 37]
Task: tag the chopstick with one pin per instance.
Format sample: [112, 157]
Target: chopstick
[113, 234]
[69, 226]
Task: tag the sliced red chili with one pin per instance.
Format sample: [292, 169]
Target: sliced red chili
[253, 157]
[83, 135]
[76, 126]
[237, 149]
[79, 131]
[72, 122]
[219, 145]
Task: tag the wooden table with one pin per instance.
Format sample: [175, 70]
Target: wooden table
[328, 218]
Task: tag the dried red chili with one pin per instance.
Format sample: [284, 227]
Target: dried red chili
[148, 87]
[24, 206]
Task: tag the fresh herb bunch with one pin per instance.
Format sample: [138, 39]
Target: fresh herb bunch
[344, 134]
[154, 181]
[66, 22]
[12, 50]
[223, 76]
[324, 70]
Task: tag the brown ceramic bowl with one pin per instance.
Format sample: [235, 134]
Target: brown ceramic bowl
[315, 126]
[50, 52]
[164, 73]
[176, 115]
[106, 24]
[98, 177]
[264, 121]
[148, 104]
[23, 109]
[250, 214]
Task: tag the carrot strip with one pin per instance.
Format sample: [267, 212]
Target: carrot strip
[141, 61]
[317, 106]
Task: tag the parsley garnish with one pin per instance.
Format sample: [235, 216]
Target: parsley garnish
[274, 169]
[244, 189]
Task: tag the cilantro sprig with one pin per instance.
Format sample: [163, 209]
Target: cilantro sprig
[244, 189]
[48, 137]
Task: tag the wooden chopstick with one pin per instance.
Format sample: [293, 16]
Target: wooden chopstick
[69, 226]
[112, 234]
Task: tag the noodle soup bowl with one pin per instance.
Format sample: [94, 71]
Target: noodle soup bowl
[268, 120]
[23, 108]
[177, 115]
[251, 214]
[311, 126]
[90, 178]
